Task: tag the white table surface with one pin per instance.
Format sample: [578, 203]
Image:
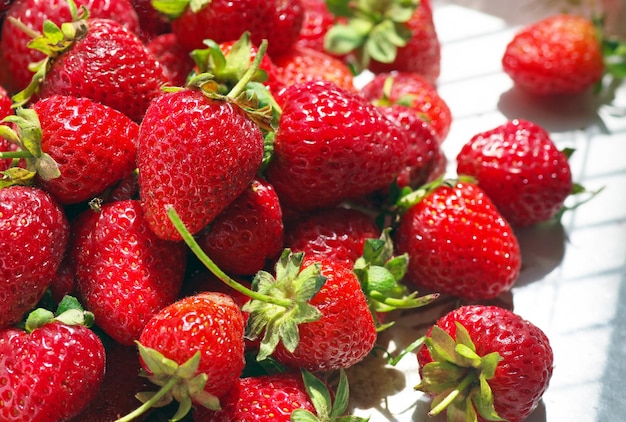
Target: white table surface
[573, 280]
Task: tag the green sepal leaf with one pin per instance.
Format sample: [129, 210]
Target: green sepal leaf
[438, 377]
[171, 8]
[17, 176]
[342, 8]
[343, 39]
[318, 393]
[482, 399]
[158, 364]
[38, 318]
[303, 415]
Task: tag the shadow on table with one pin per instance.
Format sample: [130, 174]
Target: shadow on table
[543, 248]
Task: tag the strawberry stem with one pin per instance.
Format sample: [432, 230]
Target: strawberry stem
[250, 72]
[163, 391]
[208, 262]
[443, 404]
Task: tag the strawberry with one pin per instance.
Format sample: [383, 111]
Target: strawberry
[560, 54]
[247, 233]
[303, 64]
[457, 241]
[384, 36]
[500, 364]
[335, 233]
[316, 22]
[521, 170]
[278, 21]
[5, 103]
[413, 91]
[124, 273]
[98, 60]
[151, 22]
[201, 338]
[176, 62]
[331, 145]
[33, 237]
[181, 129]
[33, 13]
[51, 370]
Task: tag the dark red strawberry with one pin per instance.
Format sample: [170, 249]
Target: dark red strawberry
[317, 21]
[521, 170]
[152, 23]
[33, 237]
[278, 21]
[175, 60]
[124, 273]
[52, 370]
[413, 91]
[332, 145]
[248, 233]
[32, 13]
[503, 371]
[335, 233]
[457, 241]
[5, 103]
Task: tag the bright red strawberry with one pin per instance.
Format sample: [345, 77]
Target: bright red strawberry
[415, 92]
[32, 13]
[248, 233]
[304, 64]
[203, 334]
[33, 237]
[346, 331]
[51, 371]
[99, 62]
[124, 273]
[331, 145]
[5, 103]
[180, 130]
[317, 21]
[457, 241]
[401, 36]
[506, 354]
[278, 21]
[335, 233]
[561, 54]
[175, 60]
[521, 170]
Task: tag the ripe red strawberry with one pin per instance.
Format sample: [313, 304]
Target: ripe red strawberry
[51, 371]
[99, 62]
[413, 91]
[248, 233]
[278, 21]
[151, 22]
[561, 54]
[335, 233]
[5, 103]
[457, 241]
[346, 331]
[520, 169]
[304, 64]
[401, 36]
[203, 336]
[175, 60]
[331, 145]
[124, 273]
[180, 130]
[504, 353]
[33, 237]
[317, 21]
[32, 13]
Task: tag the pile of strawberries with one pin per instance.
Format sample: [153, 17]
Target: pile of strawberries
[201, 211]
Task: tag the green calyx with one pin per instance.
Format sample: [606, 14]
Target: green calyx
[458, 377]
[53, 41]
[374, 30]
[278, 304]
[174, 8]
[380, 274]
[28, 139]
[181, 382]
[69, 312]
[325, 408]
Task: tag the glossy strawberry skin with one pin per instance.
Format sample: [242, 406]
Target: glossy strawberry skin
[248, 233]
[345, 333]
[335, 233]
[316, 22]
[331, 145]
[520, 169]
[103, 66]
[278, 21]
[422, 53]
[557, 55]
[93, 145]
[458, 243]
[124, 273]
[50, 374]
[175, 60]
[33, 13]
[524, 373]
[415, 92]
[266, 397]
[33, 237]
[207, 322]
[196, 155]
